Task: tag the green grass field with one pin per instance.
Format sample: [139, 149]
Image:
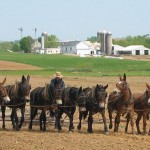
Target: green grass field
[76, 66]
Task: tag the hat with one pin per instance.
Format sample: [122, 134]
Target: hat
[58, 74]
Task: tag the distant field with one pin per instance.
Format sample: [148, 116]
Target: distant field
[76, 66]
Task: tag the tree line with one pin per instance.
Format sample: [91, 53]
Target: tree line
[26, 44]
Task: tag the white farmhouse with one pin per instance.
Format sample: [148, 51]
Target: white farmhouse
[78, 48]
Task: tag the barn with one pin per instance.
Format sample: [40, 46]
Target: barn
[134, 50]
[78, 48]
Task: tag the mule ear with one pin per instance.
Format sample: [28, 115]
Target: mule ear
[80, 89]
[23, 79]
[28, 78]
[4, 80]
[120, 77]
[147, 85]
[124, 77]
[105, 87]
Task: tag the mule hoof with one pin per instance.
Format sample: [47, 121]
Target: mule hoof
[110, 126]
[90, 131]
[106, 133]
[79, 127]
[17, 129]
[56, 130]
[44, 130]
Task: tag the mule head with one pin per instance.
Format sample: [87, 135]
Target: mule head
[148, 93]
[58, 91]
[3, 93]
[101, 94]
[24, 88]
[81, 99]
[122, 84]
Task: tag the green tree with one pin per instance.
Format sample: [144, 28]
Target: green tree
[136, 40]
[52, 42]
[26, 43]
[92, 39]
[4, 46]
[16, 47]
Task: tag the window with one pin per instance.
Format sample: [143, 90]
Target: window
[137, 52]
[146, 52]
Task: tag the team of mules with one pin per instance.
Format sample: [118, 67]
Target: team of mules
[90, 101]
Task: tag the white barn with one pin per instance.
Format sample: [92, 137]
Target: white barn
[52, 50]
[135, 50]
[78, 48]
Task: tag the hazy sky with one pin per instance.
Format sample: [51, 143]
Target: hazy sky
[73, 19]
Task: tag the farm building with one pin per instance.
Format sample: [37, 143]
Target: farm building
[52, 51]
[78, 47]
[134, 50]
[116, 49]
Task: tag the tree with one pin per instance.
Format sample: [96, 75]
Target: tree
[26, 43]
[136, 40]
[92, 39]
[4, 46]
[16, 47]
[52, 42]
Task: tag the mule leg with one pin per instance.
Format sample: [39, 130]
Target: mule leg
[144, 122]
[3, 108]
[127, 123]
[33, 112]
[90, 121]
[16, 120]
[70, 118]
[12, 116]
[138, 122]
[72, 113]
[44, 120]
[41, 119]
[117, 121]
[104, 121]
[22, 116]
[132, 121]
[57, 121]
[80, 119]
[110, 111]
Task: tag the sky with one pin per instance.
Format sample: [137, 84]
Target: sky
[73, 19]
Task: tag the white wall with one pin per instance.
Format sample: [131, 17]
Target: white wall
[52, 51]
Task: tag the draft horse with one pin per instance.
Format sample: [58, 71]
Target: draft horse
[96, 99]
[19, 95]
[122, 102]
[141, 108]
[43, 98]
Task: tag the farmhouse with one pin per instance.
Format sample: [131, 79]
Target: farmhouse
[78, 47]
[134, 50]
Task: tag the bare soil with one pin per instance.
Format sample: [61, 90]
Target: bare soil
[25, 139]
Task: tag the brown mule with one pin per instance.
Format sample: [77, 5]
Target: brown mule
[122, 103]
[142, 108]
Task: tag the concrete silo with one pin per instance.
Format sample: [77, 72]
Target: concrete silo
[105, 38]
[108, 43]
[98, 37]
[102, 35]
[43, 38]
